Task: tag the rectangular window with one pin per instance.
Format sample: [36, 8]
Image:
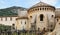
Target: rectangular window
[6, 19]
[41, 17]
[25, 22]
[10, 18]
[1, 18]
[21, 22]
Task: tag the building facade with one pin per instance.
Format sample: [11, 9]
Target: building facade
[38, 17]
[41, 15]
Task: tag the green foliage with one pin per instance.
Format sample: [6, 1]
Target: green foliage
[12, 11]
[4, 27]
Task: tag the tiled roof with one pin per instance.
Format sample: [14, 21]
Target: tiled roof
[22, 18]
[41, 4]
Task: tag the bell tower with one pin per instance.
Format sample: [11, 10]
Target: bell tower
[44, 15]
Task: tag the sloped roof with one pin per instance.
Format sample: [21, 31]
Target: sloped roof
[22, 18]
[41, 4]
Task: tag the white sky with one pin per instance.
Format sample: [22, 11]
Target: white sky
[26, 3]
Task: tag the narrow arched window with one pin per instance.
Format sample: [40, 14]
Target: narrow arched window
[13, 24]
[41, 17]
[40, 8]
[45, 8]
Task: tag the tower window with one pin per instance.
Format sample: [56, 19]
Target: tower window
[41, 17]
[40, 8]
[45, 8]
[57, 19]
[35, 9]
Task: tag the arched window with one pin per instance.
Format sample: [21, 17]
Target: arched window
[41, 17]
[40, 8]
[45, 8]
[35, 9]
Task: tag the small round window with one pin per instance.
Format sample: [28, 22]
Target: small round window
[52, 16]
[30, 16]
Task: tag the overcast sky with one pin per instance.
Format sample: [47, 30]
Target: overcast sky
[27, 3]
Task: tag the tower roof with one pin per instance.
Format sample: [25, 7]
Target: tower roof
[41, 4]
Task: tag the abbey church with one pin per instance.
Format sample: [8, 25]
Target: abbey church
[38, 17]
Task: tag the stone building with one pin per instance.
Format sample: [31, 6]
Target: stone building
[40, 16]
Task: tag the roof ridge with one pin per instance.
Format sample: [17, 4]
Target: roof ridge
[41, 4]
